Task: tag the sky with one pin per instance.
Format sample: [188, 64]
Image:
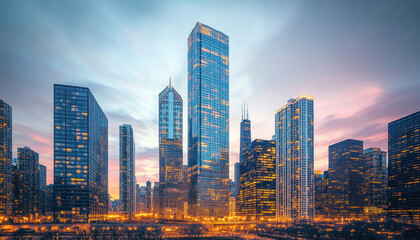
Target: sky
[359, 59]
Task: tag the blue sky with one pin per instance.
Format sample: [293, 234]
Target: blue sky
[359, 59]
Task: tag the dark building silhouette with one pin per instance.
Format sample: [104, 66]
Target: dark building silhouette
[319, 179]
[404, 167]
[6, 177]
[346, 183]
[257, 191]
[148, 197]
[80, 156]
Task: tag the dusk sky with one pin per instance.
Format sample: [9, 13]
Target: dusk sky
[359, 59]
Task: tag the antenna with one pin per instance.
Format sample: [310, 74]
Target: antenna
[170, 82]
[247, 112]
[242, 109]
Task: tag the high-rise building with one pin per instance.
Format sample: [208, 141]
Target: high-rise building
[257, 191]
[49, 200]
[170, 152]
[318, 180]
[375, 182]
[127, 171]
[148, 197]
[404, 168]
[80, 156]
[5, 159]
[346, 185]
[245, 136]
[143, 199]
[236, 178]
[208, 122]
[42, 177]
[294, 133]
[28, 199]
[323, 204]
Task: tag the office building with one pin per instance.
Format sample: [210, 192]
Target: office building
[346, 181]
[127, 170]
[148, 197]
[294, 133]
[170, 152]
[404, 168]
[5, 159]
[318, 181]
[80, 156]
[208, 122]
[375, 183]
[257, 191]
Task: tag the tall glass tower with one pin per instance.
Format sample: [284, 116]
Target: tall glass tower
[208, 122]
[171, 193]
[245, 138]
[127, 171]
[80, 156]
[5, 159]
[404, 168]
[295, 159]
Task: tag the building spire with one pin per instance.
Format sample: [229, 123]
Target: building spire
[170, 85]
[247, 112]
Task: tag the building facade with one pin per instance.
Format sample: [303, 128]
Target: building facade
[171, 188]
[294, 133]
[208, 122]
[257, 191]
[346, 179]
[148, 197]
[80, 156]
[318, 181]
[404, 168]
[29, 191]
[375, 182]
[6, 178]
[127, 170]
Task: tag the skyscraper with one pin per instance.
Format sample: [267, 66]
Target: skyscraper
[245, 136]
[404, 167]
[80, 156]
[170, 152]
[208, 122]
[148, 197]
[375, 182]
[236, 178]
[318, 180]
[5, 159]
[257, 191]
[127, 171]
[28, 199]
[294, 133]
[345, 173]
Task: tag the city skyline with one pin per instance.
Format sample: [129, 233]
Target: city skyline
[344, 117]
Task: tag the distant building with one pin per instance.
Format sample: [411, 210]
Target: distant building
[346, 184]
[28, 199]
[148, 197]
[127, 170]
[294, 133]
[232, 206]
[375, 182]
[49, 200]
[236, 178]
[245, 136]
[208, 122]
[319, 178]
[323, 209]
[143, 199]
[42, 177]
[404, 168]
[80, 156]
[5, 159]
[257, 192]
[155, 198]
[172, 190]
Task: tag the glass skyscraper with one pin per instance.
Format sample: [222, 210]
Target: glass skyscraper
[127, 171]
[28, 198]
[170, 152]
[80, 156]
[375, 182]
[404, 167]
[245, 137]
[346, 182]
[5, 159]
[294, 133]
[208, 122]
[257, 191]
